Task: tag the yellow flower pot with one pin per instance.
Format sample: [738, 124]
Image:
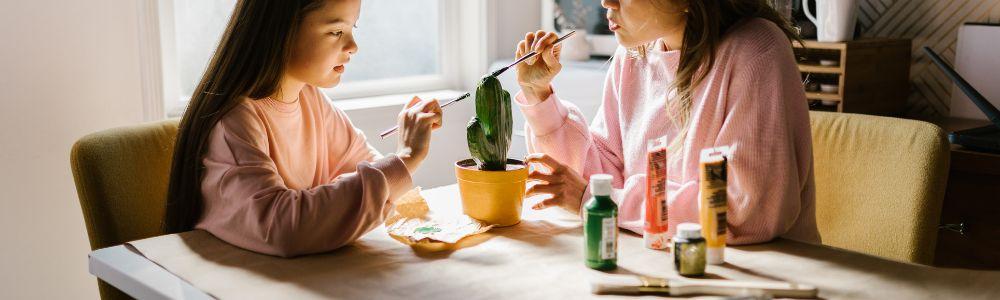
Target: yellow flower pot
[493, 197]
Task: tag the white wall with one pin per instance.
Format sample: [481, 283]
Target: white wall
[67, 68]
[514, 19]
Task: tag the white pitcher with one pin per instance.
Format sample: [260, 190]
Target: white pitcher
[834, 19]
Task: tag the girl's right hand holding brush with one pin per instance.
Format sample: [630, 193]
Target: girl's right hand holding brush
[416, 122]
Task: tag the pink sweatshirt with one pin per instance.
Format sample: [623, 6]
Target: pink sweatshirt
[752, 99]
[292, 179]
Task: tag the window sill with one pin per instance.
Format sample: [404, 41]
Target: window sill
[359, 103]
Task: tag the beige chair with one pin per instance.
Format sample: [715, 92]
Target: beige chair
[879, 184]
[121, 178]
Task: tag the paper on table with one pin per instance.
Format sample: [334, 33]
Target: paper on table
[413, 224]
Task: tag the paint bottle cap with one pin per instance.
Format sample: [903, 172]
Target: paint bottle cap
[600, 184]
[689, 230]
[657, 240]
[715, 256]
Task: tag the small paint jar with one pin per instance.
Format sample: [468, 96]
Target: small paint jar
[689, 250]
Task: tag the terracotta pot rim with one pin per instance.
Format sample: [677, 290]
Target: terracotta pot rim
[469, 164]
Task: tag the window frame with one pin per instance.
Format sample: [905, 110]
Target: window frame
[161, 82]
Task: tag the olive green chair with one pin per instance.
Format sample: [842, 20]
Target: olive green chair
[121, 178]
[879, 184]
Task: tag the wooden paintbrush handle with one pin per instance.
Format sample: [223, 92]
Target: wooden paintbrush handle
[684, 287]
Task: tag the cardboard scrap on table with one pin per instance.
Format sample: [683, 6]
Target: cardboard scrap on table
[413, 224]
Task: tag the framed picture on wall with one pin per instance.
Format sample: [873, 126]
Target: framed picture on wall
[590, 21]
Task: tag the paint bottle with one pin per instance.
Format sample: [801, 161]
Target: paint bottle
[712, 204]
[600, 225]
[654, 231]
[689, 250]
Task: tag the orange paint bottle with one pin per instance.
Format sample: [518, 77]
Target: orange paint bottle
[654, 233]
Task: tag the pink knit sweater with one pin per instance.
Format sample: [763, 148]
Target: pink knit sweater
[297, 178]
[752, 99]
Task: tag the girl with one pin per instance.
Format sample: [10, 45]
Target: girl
[262, 160]
[724, 73]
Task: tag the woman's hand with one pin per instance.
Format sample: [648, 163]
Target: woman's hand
[564, 184]
[416, 122]
[535, 74]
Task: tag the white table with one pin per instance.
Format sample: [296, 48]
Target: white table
[541, 258]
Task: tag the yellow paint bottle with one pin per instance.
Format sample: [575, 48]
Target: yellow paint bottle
[713, 203]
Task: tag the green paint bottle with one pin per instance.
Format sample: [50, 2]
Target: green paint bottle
[600, 225]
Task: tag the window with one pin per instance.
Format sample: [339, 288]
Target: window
[402, 45]
[198, 26]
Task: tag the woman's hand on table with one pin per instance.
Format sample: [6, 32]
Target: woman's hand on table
[416, 122]
[535, 74]
[564, 185]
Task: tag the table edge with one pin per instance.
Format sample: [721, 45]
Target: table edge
[138, 276]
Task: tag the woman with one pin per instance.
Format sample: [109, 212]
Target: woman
[703, 73]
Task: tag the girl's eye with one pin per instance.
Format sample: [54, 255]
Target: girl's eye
[336, 33]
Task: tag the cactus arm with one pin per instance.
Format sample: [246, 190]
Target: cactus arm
[475, 139]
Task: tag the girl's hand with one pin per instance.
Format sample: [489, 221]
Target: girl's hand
[564, 184]
[535, 74]
[416, 122]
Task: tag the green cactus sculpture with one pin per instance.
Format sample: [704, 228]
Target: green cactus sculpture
[489, 132]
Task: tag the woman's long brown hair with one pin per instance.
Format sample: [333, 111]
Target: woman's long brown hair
[707, 22]
[249, 62]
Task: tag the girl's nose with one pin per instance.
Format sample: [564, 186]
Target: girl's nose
[352, 47]
[610, 4]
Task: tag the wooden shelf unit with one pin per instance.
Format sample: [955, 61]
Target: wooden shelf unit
[970, 205]
[872, 75]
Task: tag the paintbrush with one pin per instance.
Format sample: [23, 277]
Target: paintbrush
[496, 73]
[634, 285]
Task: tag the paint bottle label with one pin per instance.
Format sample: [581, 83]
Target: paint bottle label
[654, 232]
[609, 238]
[715, 192]
[712, 204]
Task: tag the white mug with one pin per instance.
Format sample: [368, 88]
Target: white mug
[834, 19]
[575, 47]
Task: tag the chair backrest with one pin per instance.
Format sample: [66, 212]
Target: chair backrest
[879, 184]
[121, 178]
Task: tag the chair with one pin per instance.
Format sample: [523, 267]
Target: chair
[880, 184]
[121, 178]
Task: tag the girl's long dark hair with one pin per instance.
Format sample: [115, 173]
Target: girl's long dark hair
[249, 62]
